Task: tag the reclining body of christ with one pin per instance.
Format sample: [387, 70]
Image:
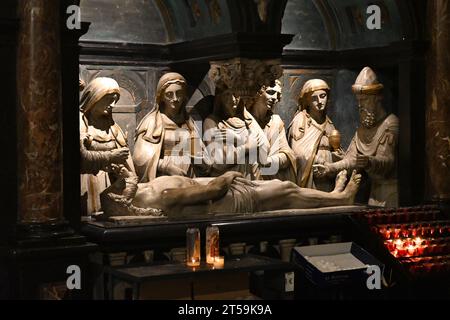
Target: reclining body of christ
[230, 193]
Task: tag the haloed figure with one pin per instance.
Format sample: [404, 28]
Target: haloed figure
[167, 139]
[102, 142]
[373, 148]
[281, 163]
[310, 133]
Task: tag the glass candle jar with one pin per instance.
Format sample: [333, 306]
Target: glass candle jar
[212, 244]
[193, 247]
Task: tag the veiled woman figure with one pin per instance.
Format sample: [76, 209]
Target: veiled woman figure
[310, 133]
[167, 140]
[102, 142]
[235, 140]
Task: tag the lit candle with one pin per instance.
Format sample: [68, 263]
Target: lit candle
[219, 262]
[390, 245]
[212, 244]
[193, 263]
[193, 247]
[405, 233]
[418, 241]
[411, 250]
[398, 243]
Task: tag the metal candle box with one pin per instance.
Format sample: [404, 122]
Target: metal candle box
[348, 253]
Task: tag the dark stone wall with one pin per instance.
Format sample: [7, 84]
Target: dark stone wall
[196, 19]
[129, 21]
[342, 24]
[304, 20]
[351, 19]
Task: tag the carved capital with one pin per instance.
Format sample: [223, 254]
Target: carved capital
[245, 76]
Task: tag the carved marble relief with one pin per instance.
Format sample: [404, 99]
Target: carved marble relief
[374, 146]
[310, 133]
[102, 142]
[167, 140]
[242, 124]
[137, 86]
[244, 77]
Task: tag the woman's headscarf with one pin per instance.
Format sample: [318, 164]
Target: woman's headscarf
[165, 81]
[151, 125]
[311, 86]
[96, 90]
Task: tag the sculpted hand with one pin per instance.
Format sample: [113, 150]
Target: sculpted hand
[319, 160]
[120, 156]
[121, 171]
[362, 161]
[219, 135]
[338, 155]
[222, 184]
[231, 175]
[321, 170]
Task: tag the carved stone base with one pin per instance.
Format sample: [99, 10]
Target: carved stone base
[135, 220]
[43, 231]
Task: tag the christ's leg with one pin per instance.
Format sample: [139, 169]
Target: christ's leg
[278, 195]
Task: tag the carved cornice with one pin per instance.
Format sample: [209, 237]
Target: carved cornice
[244, 45]
[222, 47]
[107, 53]
[379, 56]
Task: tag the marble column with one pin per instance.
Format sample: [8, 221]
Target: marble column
[438, 101]
[39, 113]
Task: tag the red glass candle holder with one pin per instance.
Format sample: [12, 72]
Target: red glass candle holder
[405, 233]
[390, 245]
[402, 252]
[395, 253]
[412, 250]
[420, 250]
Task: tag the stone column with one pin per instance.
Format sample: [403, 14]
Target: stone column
[39, 113]
[438, 101]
